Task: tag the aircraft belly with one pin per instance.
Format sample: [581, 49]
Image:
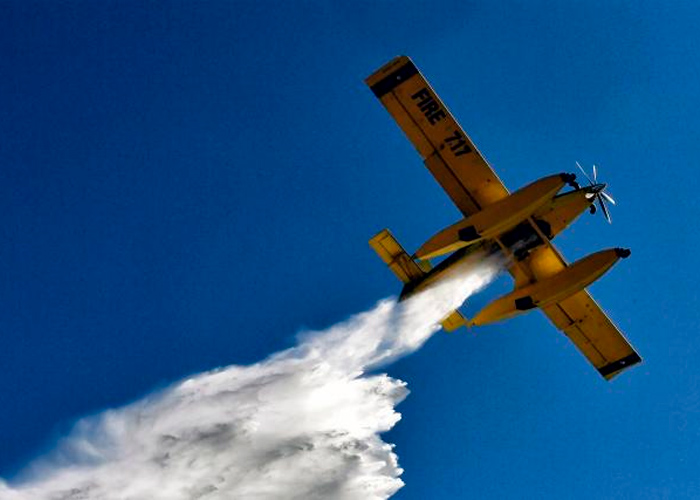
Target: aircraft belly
[494, 219]
[446, 269]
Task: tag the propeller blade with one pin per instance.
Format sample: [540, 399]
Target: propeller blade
[595, 174]
[608, 197]
[604, 209]
[584, 172]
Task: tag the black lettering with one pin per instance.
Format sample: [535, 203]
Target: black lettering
[422, 94]
[465, 149]
[429, 107]
[437, 116]
[458, 143]
[456, 136]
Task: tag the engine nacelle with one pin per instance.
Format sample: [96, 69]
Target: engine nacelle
[553, 289]
[496, 218]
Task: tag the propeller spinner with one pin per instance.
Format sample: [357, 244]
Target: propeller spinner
[599, 194]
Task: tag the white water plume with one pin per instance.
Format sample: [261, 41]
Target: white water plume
[303, 424]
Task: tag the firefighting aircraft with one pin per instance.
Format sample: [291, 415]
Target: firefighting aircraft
[521, 225]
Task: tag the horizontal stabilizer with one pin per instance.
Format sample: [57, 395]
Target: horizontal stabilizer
[394, 256]
[455, 320]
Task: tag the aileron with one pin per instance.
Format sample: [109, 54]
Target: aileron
[593, 333]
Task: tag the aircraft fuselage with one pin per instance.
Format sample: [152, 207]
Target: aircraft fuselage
[534, 226]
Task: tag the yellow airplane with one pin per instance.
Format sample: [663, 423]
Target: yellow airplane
[521, 225]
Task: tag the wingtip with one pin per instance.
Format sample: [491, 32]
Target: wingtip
[623, 253]
[613, 369]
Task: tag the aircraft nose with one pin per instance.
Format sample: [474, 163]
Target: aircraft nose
[597, 188]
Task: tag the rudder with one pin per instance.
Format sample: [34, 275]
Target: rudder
[394, 256]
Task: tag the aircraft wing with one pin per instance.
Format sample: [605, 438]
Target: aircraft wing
[582, 320]
[446, 149]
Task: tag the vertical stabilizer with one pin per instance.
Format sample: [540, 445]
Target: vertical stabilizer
[394, 256]
[408, 270]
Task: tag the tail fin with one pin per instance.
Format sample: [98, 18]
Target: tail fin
[393, 255]
[409, 270]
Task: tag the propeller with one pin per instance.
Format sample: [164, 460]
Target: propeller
[599, 194]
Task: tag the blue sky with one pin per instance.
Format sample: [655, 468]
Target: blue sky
[185, 186]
